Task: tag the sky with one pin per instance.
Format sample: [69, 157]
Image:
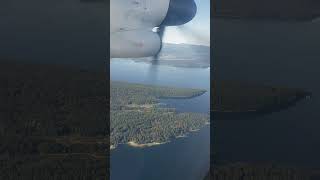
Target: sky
[196, 31]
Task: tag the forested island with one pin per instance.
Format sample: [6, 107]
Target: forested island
[137, 117]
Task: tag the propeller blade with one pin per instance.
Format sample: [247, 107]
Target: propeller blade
[160, 31]
[153, 70]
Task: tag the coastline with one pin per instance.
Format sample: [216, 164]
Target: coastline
[137, 145]
[146, 145]
[112, 147]
[184, 97]
[194, 130]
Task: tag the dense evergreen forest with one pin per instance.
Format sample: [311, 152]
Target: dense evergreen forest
[136, 115]
[124, 94]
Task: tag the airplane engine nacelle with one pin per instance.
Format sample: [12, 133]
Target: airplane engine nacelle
[134, 44]
[136, 14]
[180, 12]
[132, 22]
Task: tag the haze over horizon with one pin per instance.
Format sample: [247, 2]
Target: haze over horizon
[196, 32]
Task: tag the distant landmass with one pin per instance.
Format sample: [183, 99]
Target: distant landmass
[300, 10]
[139, 120]
[182, 55]
[242, 100]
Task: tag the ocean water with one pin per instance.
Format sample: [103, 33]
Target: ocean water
[183, 158]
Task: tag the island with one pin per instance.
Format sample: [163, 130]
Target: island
[139, 120]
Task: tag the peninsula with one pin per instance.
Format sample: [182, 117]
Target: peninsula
[137, 119]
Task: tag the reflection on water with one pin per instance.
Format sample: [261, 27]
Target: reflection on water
[182, 158]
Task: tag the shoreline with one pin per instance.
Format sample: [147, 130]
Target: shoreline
[194, 130]
[137, 145]
[146, 145]
[184, 97]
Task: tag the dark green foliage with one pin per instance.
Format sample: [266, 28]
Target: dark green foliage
[136, 117]
[123, 94]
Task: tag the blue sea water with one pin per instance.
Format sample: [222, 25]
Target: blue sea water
[185, 158]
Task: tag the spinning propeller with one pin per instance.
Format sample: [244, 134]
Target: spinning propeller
[180, 12]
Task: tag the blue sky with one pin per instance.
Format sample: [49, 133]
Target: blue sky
[196, 31]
